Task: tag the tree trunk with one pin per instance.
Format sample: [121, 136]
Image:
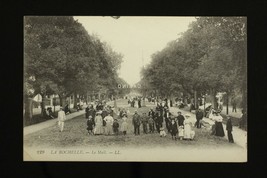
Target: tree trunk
[28, 110]
[43, 112]
[196, 100]
[214, 100]
[62, 100]
[75, 100]
[227, 102]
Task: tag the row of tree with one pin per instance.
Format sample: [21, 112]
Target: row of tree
[210, 57]
[60, 57]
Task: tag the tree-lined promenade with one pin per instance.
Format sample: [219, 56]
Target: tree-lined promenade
[210, 57]
[61, 58]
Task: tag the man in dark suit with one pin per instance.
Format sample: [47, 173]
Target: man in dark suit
[136, 123]
[229, 129]
[180, 119]
[199, 117]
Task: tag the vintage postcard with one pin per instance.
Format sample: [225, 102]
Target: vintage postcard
[135, 88]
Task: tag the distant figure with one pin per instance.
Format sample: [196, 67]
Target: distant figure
[199, 117]
[67, 109]
[234, 105]
[139, 103]
[229, 129]
[61, 119]
[243, 119]
[90, 126]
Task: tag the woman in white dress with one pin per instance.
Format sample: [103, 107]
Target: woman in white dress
[98, 124]
[124, 125]
[188, 133]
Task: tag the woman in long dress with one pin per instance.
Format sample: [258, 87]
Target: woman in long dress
[124, 125]
[218, 125]
[98, 124]
[187, 128]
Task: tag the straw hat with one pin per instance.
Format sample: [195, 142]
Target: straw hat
[187, 115]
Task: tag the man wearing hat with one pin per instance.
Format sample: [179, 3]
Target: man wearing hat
[229, 129]
[144, 122]
[136, 123]
[61, 119]
[199, 117]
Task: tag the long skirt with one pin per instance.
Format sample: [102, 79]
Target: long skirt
[180, 131]
[98, 129]
[109, 128]
[187, 131]
[124, 126]
[219, 129]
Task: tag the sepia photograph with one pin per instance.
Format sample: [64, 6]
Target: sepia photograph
[135, 88]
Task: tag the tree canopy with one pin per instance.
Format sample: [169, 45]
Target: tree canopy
[209, 57]
[60, 57]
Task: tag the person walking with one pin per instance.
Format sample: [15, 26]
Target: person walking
[61, 119]
[229, 129]
[136, 123]
[144, 120]
[199, 117]
[234, 105]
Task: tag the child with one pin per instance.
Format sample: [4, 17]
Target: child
[151, 124]
[90, 126]
[162, 132]
[229, 129]
[181, 132]
[116, 127]
[173, 129]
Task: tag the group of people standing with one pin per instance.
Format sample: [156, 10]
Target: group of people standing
[217, 127]
[100, 120]
[135, 102]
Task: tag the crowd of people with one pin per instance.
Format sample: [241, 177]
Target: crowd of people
[102, 121]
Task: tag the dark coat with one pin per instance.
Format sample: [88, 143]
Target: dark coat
[180, 119]
[229, 125]
[199, 115]
[136, 119]
[173, 128]
[151, 113]
[90, 124]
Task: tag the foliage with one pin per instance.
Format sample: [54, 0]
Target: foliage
[209, 57]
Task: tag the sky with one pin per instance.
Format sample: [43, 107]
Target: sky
[135, 37]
